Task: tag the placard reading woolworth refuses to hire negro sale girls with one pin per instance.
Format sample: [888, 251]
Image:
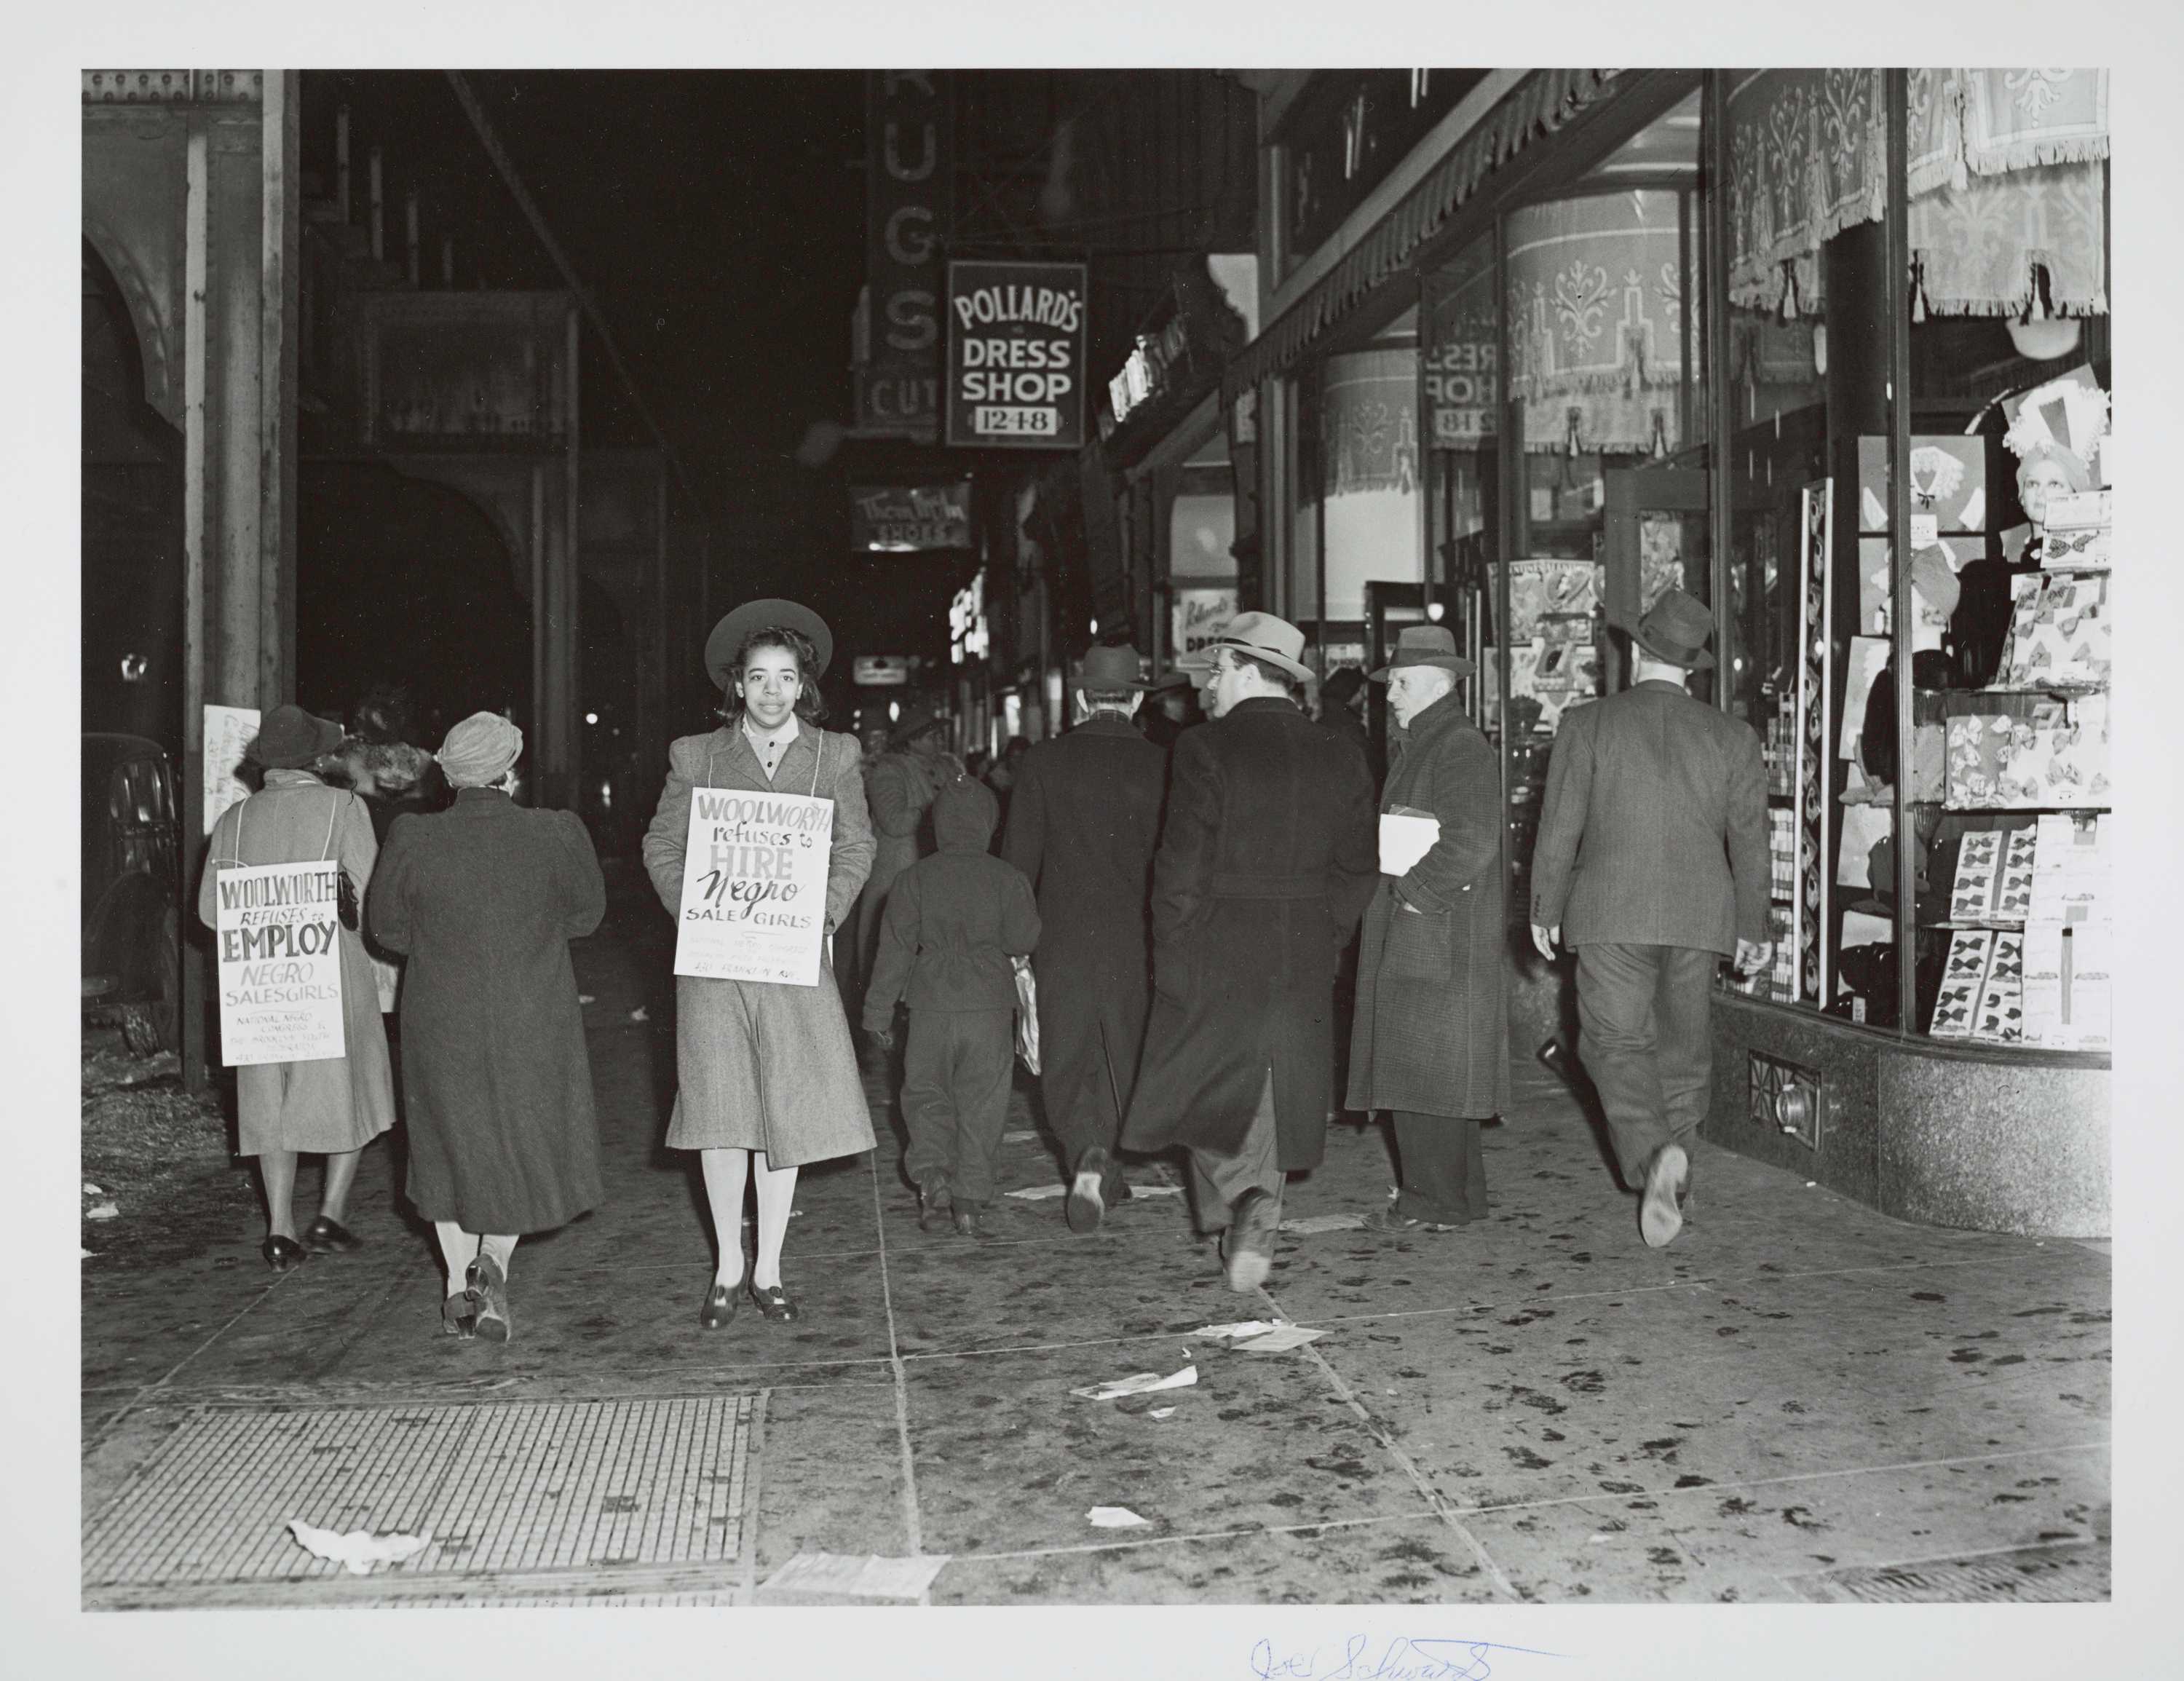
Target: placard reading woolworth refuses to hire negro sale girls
[754, 887]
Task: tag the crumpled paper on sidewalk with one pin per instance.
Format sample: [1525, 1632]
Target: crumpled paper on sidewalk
[1039, 1193]
[1260, 1336]
[1140, 1383]
[1115, 1517]
[358, 1550]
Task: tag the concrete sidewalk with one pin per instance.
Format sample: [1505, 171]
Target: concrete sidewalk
[1799, 1399]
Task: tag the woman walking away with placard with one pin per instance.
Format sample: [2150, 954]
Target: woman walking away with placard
[763, 1055]
[331, 1106]
[483, 899]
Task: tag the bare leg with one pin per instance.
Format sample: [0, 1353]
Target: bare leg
[278, 1168]
[726, 1171]
[341, 1174]
[777, 1190]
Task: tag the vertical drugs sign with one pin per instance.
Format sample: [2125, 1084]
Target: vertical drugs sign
[279, 928]
[753, 887]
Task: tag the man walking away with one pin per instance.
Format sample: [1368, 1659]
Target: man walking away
[1083, 824]
[1431, 1037]
[1651, 862]
[1266, 857]
[952, 923]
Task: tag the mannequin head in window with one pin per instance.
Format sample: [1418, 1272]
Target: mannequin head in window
[2046, 472]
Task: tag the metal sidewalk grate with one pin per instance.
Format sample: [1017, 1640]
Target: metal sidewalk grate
[561, 1497]
[2035, 1575]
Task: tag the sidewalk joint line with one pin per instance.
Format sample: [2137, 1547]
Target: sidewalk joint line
[114, 1421]
[1426, 1490]
[912, 1520]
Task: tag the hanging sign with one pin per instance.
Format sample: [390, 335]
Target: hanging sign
[753, 887]
[909, 141]
[279, 928]
[880, 670]
[905, 519]
[1016, 355]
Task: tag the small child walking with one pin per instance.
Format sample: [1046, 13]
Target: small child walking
[953, 923]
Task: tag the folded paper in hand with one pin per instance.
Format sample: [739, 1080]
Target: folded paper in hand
[1404, 838]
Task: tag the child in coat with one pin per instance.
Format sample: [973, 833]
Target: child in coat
[953, 923]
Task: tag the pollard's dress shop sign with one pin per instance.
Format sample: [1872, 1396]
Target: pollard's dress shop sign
[754, 887]
[1016, 355]
[279, 927]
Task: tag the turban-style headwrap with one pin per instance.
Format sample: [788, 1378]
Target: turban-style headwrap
[479, 750]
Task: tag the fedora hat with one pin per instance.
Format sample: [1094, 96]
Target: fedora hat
[1425, 645]
[917, 719]
[1261, 636]
[291, 738]
[769, 615]
[1676, 628]
[1111, 668]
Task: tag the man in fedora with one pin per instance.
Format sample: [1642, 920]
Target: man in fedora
[1430, 1036]
[1651, 862]
[1266, 857]
[1083, 823]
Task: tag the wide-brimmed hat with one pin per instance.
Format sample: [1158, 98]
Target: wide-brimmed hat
[1676, 629]
[769, 615]
[1425, 645]
[917, 719]
[291, 738]
[1261, 636]
[1111, 668]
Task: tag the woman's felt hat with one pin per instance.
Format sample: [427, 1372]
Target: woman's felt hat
[771, 614]
[291, 738]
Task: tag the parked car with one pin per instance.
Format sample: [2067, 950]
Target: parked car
[131, 882]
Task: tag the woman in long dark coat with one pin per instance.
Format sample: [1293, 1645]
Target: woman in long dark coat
[767, 1073]
[484, 898]
[1431, 1037]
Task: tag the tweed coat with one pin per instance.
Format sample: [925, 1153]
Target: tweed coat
[1082, 826]
[1266, 857]
[1655, 827]
[1430, 1031]
[337, 1104]
[484, 898]
[763, 1067]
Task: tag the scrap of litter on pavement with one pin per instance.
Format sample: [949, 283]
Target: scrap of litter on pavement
[1138, 1383]
[358, 1550]
[1259, 1336]
[1115, 1517]
[870, 1577]
[1323, 1222]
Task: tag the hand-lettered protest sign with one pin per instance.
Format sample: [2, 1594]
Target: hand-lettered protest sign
[754, 887]
[228, 732]
[280, 963]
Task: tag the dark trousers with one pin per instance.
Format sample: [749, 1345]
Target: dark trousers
[1217, 1181]
[1084, 1094]
[1643, 1035]
[1443, 1168]
[956, 1070]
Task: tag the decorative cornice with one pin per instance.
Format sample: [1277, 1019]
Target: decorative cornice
[174, 87]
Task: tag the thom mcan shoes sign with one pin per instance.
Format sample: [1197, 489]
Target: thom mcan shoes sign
[1016, 355]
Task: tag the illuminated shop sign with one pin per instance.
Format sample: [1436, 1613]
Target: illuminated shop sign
[905, 519]
[1016, 355]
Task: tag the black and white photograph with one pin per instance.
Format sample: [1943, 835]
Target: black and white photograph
[1381, 852]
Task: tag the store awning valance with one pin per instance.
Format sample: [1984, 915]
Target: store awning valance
[1541, 103]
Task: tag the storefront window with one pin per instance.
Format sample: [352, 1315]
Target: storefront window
[2002, 206]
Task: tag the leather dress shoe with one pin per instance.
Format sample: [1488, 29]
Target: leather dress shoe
[773, 1302]
[1087, 1199]
[458, 1315]
[323, 1236]
[1660, 1214]
[720, 1309]
[282, 1252]
[933, 1202]
[488, 1289]
[971, 1220]
[1249, 1248]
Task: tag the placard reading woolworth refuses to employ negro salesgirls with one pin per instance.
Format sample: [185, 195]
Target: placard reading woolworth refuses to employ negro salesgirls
[279, 930]
[754, 887]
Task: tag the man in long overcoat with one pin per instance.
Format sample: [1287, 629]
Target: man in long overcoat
[1082, 825]
[1266, 860]
[1652, 862]
[1431, 1038]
